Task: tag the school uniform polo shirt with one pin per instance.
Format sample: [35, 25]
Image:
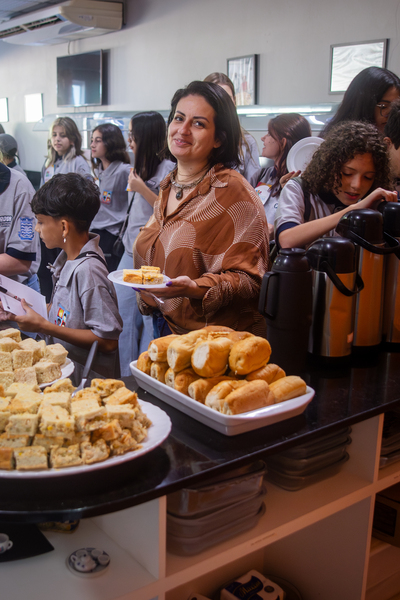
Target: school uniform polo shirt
[113, 197]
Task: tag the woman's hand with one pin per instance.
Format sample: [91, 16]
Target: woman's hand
[175, 288]
[285, 178]
[31, 320]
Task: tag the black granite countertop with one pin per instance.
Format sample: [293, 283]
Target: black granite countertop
[193, 452]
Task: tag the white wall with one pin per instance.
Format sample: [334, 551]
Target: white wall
[168, 43]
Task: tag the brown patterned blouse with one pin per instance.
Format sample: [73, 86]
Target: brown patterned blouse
[218, 236]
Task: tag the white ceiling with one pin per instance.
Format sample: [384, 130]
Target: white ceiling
[14, 8]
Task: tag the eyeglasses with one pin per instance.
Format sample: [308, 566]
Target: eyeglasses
[384, 108]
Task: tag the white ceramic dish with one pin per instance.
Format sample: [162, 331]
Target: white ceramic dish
[302, 152]
[116, 277]
[157, 433]
[226, 424]
[66, 370]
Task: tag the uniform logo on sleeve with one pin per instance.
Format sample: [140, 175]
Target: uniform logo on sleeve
[106, 197]
[5, 220]
[62, 316]
[26, 229]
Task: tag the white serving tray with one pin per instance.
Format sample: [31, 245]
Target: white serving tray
[226, 424]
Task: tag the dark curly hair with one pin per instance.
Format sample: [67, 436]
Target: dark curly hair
[343, 143]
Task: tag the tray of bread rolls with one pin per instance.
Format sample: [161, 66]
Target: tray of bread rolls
[222, 378]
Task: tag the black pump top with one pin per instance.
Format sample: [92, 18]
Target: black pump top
[339, 252]
[391, 217]
[291, 260]
[364, 222]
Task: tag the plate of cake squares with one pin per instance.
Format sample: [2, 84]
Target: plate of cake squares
[143, 278]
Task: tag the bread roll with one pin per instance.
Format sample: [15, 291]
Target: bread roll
[288, 387]
[180, 350]
[221, 390]
[251, 396]
[144, 363]
[249, 354]
[158, 370]
[183, 379]
[236, 336]
[222, 328]
[199, 389]
[210, 357]
[268, 373]
[158, 348]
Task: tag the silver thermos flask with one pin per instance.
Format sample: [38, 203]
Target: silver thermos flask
[336, 284]
[364, 227]
[391, 304]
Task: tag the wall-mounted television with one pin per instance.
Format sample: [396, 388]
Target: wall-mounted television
[79, 79]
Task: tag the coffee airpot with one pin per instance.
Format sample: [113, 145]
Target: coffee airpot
[336, 284]
[391, 304]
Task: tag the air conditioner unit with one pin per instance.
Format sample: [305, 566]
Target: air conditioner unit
[62, 23]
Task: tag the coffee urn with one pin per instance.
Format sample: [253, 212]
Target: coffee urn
[335, 286]
[391, 304]
[364, 227]
[286, 303]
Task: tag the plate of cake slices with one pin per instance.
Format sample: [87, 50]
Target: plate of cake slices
[142, 279]
[101, 426]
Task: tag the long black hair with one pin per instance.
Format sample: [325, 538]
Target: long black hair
[361, 97]
[114, 142]
[227, 126]
[149, 133]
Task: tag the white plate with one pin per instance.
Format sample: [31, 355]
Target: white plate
[66, 370]
[227, 424]
[116, 277]
[156, 434]
[301, 153]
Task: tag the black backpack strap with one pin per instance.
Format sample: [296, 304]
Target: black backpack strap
[92, 254]
[307, 202]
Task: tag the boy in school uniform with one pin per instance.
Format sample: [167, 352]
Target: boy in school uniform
[83, 307]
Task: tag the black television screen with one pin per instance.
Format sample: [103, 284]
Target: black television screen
[79, 79]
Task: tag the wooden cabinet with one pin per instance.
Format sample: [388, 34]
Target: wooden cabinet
[318, 538]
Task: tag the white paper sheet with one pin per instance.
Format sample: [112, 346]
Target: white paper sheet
[19, 290]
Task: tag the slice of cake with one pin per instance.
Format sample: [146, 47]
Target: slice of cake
[65, 457]
[6, 379]
[7, 344]
[93, 453]
[31, 458]
[132, 276]
[6, 363]
[62, 399]
[37, 348]
[47, 442]
[47, 371]
[56, 353]
[17, 387]
[90, 418]
[109, 432]
[30, 405]
[21, 359]
[122, 396]
[106, 387]
[26, 375]
[22, 424]
[62, 385]
[12, 333]
[77, 438]
[86, 394]
[7, 458]
[9, 440]
[123, 413]
[56, 421]
[124, 443]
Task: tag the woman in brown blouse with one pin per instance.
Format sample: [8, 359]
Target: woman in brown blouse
[208, 232]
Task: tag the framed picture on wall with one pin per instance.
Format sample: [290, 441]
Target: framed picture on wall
[243, 73]
[347, 60]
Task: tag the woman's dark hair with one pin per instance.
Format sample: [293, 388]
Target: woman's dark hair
[149, 133]
[114, 142]
[68, 196]
[292, 127]
[227, 126]
[221, 79]
[392, 127]
[361, 97]
[343, 143]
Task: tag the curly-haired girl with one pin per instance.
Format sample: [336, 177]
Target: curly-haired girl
[349, 164]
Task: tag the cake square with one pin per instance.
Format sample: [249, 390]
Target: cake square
[62, 399]
[17, 387]
[123, 413]
[47, 442]
[62, 385]
[22, 424]
[37, 348]
[56, 421]
[6, 379]
[109, 432]
[6, 458]
[7, 344]
[138, 432]
[21, 359]
[9, 440]
[4, 418]
[106, 387]
[4, 403]
[26, 375]
[31, 458]
[91, 418]
[65, 457]
[47, 371]
[125, 443]
[84, 404]
[30, 405]
[6, 363]
[56, 353]
[12, 333]
[77, 438]
[93, 453]
[122, 396]
[86, 394]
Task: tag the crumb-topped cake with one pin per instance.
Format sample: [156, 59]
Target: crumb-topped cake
[40, 431]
